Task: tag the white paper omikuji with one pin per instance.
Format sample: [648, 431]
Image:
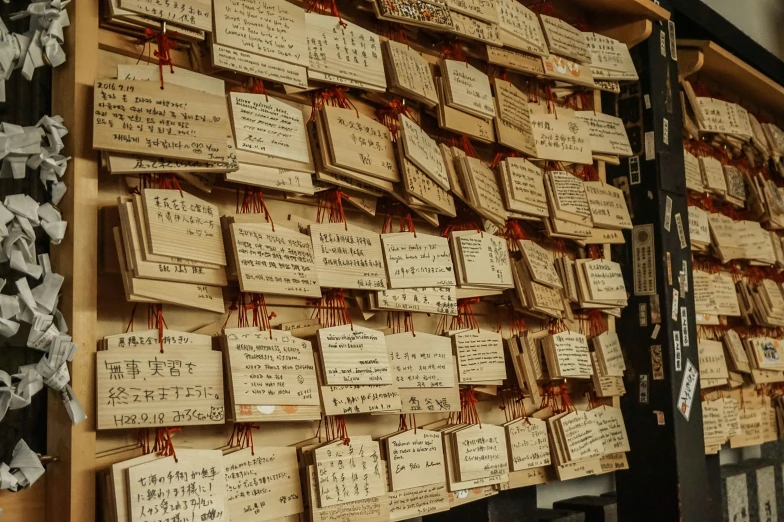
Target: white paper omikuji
[42, 42]
[35, 147]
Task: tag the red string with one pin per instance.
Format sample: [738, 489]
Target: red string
[465, 314]
[129, 328]
[155, 320]
[389, 115]
[164, 446]
[326, 7]
[165, 45]
[253, 203]
[330, 207]
[468, 412]
[453, 50]
[332, 96]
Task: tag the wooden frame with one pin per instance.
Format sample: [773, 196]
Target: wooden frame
[70, 481]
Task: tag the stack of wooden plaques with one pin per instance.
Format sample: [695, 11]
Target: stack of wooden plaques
[154, 268]
[347, 472]
[205, 115]
[197, 478]
[766, 358]
[600, 284]
[768, 303]
[520, 28]
[713, 365]
[537, 283]
[612, 429]
[417, 456]
[527, 443]
[699, 230]
[480, 356]
[575, 437]
[481, 262]
[475, 456]
[608, 136]
[277, 469]
[720, 422]
[133, 17]
[348, 256]
[408, 73]
[567, 356]
[482, 191]
[374, 508]
[200, 172]
[355, 371]
[271, 259]
[331, 44]
[610, 59]
[513, 123]
[155, 379]
[612, 385]
[271, 144]
[284, 56]
[607, 347]
[734, 347]
[271, 376]
[523, 188]
[354, 151]
[467, 89]
[607, 206]
[694, 179]
[527, 364]
[570, 214]
[424, 172]
[425, 370]
[724, 237]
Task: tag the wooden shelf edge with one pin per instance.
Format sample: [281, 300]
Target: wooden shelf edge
[634, 8]
[706, 58]
[631, 34]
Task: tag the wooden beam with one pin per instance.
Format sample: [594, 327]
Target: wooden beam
[71, 480]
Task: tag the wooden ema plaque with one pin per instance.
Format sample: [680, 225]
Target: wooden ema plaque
[144, 388]
[138, 117]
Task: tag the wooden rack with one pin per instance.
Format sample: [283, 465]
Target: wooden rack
[70, 483]
[714, 64]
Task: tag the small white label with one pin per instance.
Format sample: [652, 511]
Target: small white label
[643, 313]
[644, 388]
[684, 326]
[663, 43]
[634, 170]
[675, 304]
[647, 99]
[673, 41]
[659, 417]
[676, 348]
[684, 277]
[266, 410]
[689, 386]
[666, 132]
[655, 332]
[681, 232]
[643, 260]
[650, 146]
[667, 213]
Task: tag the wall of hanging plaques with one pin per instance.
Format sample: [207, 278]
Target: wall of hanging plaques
[358, 185]
[733, 162]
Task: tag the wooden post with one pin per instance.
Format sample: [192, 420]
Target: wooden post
[668, 477]
[71, 480]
